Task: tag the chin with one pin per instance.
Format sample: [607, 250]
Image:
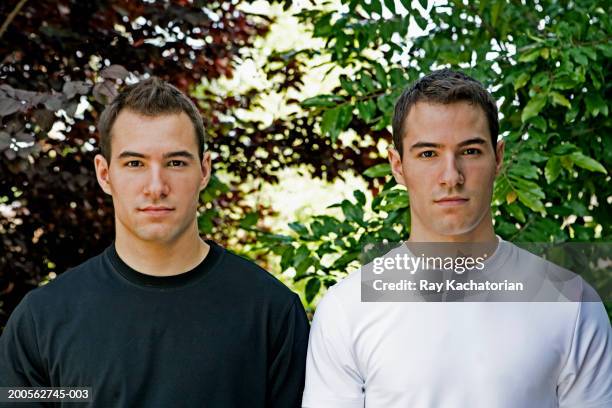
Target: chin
[454, 230]
[155, 236]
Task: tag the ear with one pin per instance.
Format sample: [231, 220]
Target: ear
[206, 170]
[102, 173]
[396, 166]
[499, 156]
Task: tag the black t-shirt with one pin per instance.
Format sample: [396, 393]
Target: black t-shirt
[225, 334]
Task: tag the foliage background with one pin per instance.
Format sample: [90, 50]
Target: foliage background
[546, 62]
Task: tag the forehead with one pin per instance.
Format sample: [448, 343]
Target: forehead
[453, 122]
[149, 134]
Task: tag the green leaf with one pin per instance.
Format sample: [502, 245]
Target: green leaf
[374, 7]
[312, 288]
[533, 108]
[407, 4]
[329, 123]
[322, 27]
[352, 212]
[360, 197]
[287, 258]
[249, 220]
[559, 99]
[299, 228]
[521, 81]
[578, 208]
[345, 117]
[552, 169]
[530, 56]
[396, 200]
[346, 84]
[595, 104]
[214, 189]
[322, 101]
[530, 200]
[205, 223]
[495, 12]
[516, 211]
[366, 110]
[564, 148]
[589, 52]
[390, 5]
[539, 123]
[301, 254]
[524, 170]
[303, 265]
[378, 170]
[578, 56]
[366, 81]
[587, 163]
[381, 75]
[420, 21]
[345, 259]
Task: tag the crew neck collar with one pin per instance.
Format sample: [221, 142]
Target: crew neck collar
[165, 282]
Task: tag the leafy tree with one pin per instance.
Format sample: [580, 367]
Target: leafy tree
[61, 62]
[548, 65]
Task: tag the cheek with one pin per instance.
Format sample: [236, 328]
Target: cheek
[124, 190]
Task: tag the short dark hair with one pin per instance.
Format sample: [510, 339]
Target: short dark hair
[444, 87]
[150, 97]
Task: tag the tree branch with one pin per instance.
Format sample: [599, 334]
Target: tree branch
[11, 17]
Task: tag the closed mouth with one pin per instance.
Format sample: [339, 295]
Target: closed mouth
[452, 201]
[156, 210]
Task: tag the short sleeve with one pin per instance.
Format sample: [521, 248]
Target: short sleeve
[333, 379]
[286, 371]
[586, 378]
[20, 362]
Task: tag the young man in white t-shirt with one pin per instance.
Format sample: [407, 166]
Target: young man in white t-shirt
[442, 354]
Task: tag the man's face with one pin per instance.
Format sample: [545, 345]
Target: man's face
[448, 168]
[154, 176]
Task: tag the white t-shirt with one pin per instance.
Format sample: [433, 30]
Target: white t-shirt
[473, 354]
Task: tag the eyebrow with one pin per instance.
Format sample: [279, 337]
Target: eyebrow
[475, 140]
[179, 153]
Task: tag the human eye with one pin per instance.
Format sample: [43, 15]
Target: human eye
[133, 163]
[427, 154]
[471, 151]
[177, 163]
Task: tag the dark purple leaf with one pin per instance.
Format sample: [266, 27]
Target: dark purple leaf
[114, 72]
[10, 154]
[23, 137]
[71, 108]
[24, 152]
[5, 140]
[8, 106]
[104, 92]
[43, 118]
[53, 103]
[9, 90]
[73, 88]
[24, 95]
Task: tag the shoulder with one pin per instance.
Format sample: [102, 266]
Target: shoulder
[563, 283]
[245, 275]
[341, 302]
[70, 284]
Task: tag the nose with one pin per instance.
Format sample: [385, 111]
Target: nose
[452, 174]
[156, 187]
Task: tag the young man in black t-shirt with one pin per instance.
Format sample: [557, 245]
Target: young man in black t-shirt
[161, 318]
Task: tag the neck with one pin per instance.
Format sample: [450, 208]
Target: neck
[477, 242]
[161, 258]
[482, 233]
